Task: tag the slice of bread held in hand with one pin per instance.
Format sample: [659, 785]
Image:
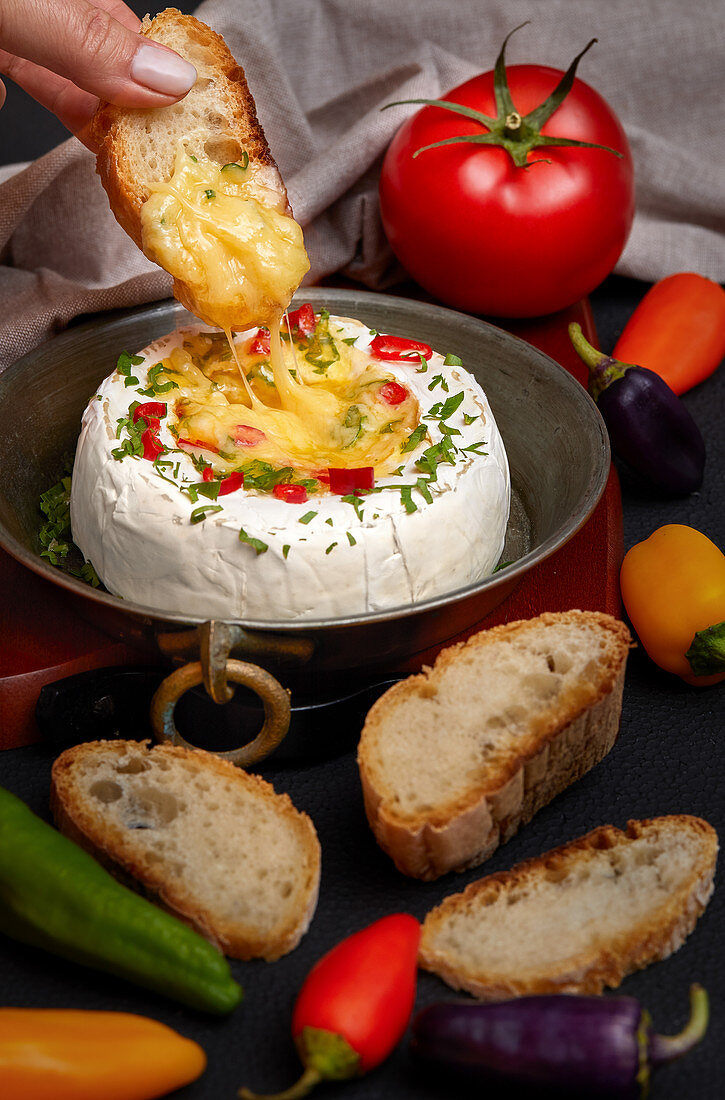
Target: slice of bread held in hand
[578, 918]
[212, 144]
[214, 845]
[454, 760]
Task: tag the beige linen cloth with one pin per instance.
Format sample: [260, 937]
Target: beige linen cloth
[320, 71]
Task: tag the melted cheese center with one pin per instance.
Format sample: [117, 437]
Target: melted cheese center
[234, 251]
[309, 404]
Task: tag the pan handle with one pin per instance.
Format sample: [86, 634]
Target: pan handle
[274, 697]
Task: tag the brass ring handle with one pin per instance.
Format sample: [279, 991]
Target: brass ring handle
[274, 697]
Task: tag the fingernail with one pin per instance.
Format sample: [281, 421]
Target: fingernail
[161, 70]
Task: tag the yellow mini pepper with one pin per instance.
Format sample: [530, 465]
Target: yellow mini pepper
[673, 587]
[66, 1054]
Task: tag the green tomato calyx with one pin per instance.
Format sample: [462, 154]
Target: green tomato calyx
[518, 134]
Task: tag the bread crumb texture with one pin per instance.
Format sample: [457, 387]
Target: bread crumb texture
[216, 844]
[577, 918]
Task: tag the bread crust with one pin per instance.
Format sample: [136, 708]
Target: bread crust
[114, 848]
[661, 933]
[464, 832]
[112, 127]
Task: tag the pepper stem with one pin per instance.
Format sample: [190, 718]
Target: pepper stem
[603, 370]
[664, 1048]
[303, 1087]
[707, 651]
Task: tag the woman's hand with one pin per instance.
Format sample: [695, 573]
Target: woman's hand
[68, 54]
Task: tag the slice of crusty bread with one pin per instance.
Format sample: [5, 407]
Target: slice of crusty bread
[209, 842]
[453, 760]
[217, 119]
[578, 918]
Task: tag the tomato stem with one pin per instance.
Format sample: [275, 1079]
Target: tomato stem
[512, 126]
[706, 654]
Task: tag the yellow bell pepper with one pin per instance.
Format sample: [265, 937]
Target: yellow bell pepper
[64, 1054]
[673, 587]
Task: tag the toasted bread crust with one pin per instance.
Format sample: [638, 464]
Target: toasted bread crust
[114, 848]
[608, 963]
[461, 833]
[115, 129]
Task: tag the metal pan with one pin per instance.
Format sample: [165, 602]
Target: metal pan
[555, 439]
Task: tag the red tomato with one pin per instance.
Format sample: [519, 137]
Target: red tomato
[486, 236]
[247, 436]
[293, 494]
[393, 393]
[398, 349]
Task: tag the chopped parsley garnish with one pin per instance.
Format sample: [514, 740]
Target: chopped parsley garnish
[133, 444]
[354, 420]
[199, 514]
[307, 517]
[406, 495]
[351, 539]
[55, 535]
[432, 457]
[476, 448]
[450, 405]
[349, 340]
[468, 418]
[154, 387]
[423, 488]
[125, 366]
[256, 544]
[414, 438]
[285, 550]
[356, 503]
[88, 574]
[438, 380]
[331, 547]
[329, 521]
[452, 361]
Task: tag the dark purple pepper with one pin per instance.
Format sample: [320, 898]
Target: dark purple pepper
[649, 427]
[585, 1045]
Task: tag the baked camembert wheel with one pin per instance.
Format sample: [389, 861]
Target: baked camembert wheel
[335, 472]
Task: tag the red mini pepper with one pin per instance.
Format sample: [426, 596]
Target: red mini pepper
[351, 481]
[293, 494]
[393, 393]
[152, 445]
[303, 319]
[228, 484]
[149, 411]
[246, 436]
[260, 344]
[397, 349]
[677, 330]
[355, 1004]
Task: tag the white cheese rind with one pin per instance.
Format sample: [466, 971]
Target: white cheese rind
[135, 527]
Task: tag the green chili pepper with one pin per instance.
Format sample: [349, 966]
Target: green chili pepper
[55, 896]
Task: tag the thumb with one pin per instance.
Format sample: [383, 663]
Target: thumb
[88, 46]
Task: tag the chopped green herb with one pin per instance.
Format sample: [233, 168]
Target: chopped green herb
[389, 427]
[307, 517]
[209, 193]
[351, 539]
[424, 490]
[448, 430]
[398, 472]
[87, 573]
[192, 157]
[124, 367]
[452, 361]
[414, 438]
[355, 502]
[256, 544]
[406, 495]
[476, 448]
[154, 387]
[285, 550]
[502, 565]
[330, 547]
[329, 521]
[433, 456]
[55, 534]
[468, 418]
[450, 405]
[354, 420]
[438, 380]
[349, 340]
[235, 164]
[199, 514]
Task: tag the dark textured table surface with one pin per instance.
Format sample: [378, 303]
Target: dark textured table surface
[669, 759]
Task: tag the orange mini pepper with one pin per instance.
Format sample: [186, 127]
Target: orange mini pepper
[68, 1054]
[673, 587]
[677, 330]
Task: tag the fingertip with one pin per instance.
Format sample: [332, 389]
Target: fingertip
[161, 70]
[2, 93]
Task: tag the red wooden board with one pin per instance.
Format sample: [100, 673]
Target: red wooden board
[43, 639]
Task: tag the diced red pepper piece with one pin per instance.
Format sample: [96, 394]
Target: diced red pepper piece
[303, 319]
[149, 409]
[208, 474]
[293, 494]
[393, 393]
[322, 475]
[351, 481]
[247, 436]
[152, 445]
[398, 349]
[259, 344]
[231, 483]
[198, 443]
